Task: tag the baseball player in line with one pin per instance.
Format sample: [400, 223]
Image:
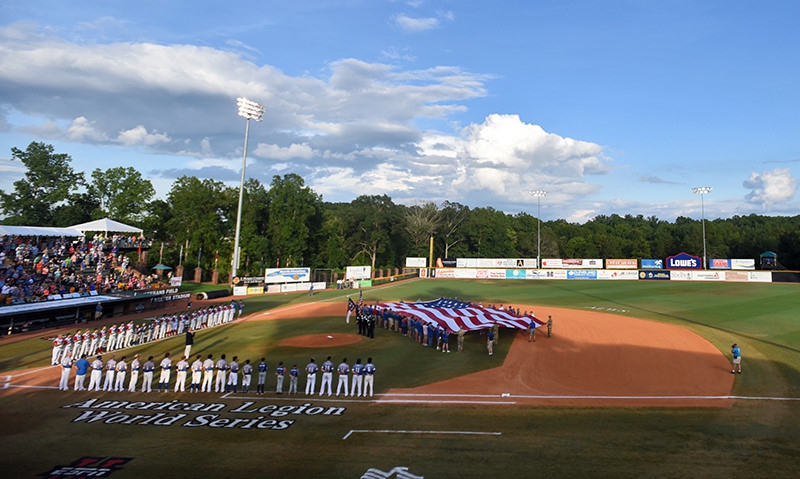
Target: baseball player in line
[369, 376]
[311, 377]
[343, 370]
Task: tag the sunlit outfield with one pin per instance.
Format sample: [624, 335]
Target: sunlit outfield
[752, 438]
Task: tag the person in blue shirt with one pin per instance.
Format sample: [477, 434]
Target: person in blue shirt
[369, 376]
[262, 375]
[737, 358]
[293, 374]
[81, 368]
[532, 331]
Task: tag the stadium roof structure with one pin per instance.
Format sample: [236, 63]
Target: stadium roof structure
[39, 231]
[106, 225]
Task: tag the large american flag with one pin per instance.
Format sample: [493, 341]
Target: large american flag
[455, 314]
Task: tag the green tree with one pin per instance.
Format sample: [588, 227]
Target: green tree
[422, 221]
[372, 224]
[452, 217]
[200, 221]
[255, 228]
[78, 209]
[122, 192]
[295, 217]
[48, 182]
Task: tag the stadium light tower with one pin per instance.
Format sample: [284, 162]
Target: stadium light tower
[539, 194]
[702, 191]
[249, 110]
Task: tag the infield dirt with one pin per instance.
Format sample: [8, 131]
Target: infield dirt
[593, 359]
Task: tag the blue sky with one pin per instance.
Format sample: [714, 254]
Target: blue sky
[609, 106]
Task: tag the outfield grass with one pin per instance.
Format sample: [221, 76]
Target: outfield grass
[753, 438]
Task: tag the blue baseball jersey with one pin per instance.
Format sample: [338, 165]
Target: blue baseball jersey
[369, 369]
[262, 367]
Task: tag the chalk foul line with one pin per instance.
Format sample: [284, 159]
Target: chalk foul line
[404, 431]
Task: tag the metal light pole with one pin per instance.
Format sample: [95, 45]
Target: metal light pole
[702, 191]
[249, 110]
[539, 194]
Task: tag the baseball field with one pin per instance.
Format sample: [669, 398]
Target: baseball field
[634, 382]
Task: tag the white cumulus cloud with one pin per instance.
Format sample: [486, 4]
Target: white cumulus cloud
[769, 188]
[139, 136]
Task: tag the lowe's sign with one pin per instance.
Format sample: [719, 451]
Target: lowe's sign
[684, 261]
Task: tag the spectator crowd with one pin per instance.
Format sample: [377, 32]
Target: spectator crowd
[32, 270]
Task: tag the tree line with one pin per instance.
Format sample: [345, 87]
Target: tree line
[288, 224]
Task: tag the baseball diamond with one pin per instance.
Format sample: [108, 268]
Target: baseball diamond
[643, 390]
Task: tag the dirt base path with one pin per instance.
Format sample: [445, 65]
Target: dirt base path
[599, 359]
[593, 359]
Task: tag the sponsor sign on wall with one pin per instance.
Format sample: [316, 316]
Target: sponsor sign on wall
[708, 275]
[743, 264]
[683, 261]
[445, 273]
[654, 275]
[495, 263]
[287, 275]
[581, 274]
[759, 276]
[546, 274]
[515, 274]
[628, 263]
[466, 273]
[618, 275]
[358, 272]
[572, 263]
[416, 262]
[552, 263]
[718, 263]
[652, 264]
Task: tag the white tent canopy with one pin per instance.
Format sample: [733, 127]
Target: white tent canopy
[106, 225]
[39, 231]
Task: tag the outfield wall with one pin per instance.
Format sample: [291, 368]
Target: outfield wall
[608, 274]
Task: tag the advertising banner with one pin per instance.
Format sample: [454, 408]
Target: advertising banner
[618, 275]
[466, 273]
[581, 274]
[552, 263]
[680, 275]
[466, 263]
[545, 274]
[496, 263]
[736, 276]
[358, 272]
[748, 264]
[708, 275]
[652, 264]
[515, 274]
[654, 275]
[416, 262]
[717, 263]
[684, 261]
[445, 273]
[287, 275]
[629, 263]
[759, 277]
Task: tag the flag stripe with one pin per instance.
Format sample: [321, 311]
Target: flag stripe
[455, 315]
